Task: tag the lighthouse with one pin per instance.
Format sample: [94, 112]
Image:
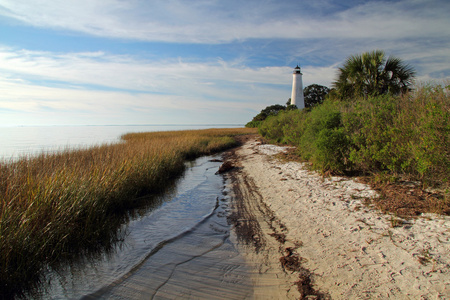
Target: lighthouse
[297, 89]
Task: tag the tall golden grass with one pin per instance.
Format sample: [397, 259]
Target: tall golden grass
[56, 205]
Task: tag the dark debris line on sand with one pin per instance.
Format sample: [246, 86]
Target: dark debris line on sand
[248, 228]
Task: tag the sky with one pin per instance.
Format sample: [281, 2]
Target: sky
[135, 62]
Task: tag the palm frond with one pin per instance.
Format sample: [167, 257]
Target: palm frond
[371, 73]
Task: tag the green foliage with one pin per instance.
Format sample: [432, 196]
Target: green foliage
[271, 110]
[403, 135]
[315, 94]
[272, 128]
[372, 74]
[253, 124]
[332, 149]
[393, 135]
[279, 128]
[374, 133]
[323, 140]
[319, 135]
[294, 126]
[431, 147]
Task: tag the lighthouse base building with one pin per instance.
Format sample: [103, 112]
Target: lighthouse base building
[297, 89]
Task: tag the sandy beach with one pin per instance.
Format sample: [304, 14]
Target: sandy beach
[314, 238]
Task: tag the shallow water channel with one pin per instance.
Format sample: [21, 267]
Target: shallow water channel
[180, 248]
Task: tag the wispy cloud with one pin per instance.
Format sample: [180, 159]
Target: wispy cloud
[318, 31]
[63, 105]
[37, 82]
[133, 74]
[227, 60]
[222, 22]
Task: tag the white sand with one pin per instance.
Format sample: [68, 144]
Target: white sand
[352, 251]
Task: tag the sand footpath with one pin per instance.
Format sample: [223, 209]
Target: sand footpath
[350, 250]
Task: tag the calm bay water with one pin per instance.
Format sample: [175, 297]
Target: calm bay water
[17, 142]
[182, 247]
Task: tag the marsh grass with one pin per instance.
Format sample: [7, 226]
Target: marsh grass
[55, 206]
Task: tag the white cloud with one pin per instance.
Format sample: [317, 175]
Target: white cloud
[124, 72]
[60, 105]
[216, 22]
[97, 83]
[324, 31]
[318, 35]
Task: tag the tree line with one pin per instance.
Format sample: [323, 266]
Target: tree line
[362, 75]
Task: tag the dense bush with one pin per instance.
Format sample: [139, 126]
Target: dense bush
[374, 134]
[315, 94]
[324, 141]
[253, 124]
[277, 128]
[271, 110]
[400, 135]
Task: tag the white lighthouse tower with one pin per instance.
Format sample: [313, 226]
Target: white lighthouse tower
[297, 89]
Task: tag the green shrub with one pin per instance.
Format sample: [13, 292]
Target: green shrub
[405, 135]
[253, 124]
[374, 134]
[430, 146]
[285, 128]
[294, 126]
[272, 129]
[324, 141]
[331, 150]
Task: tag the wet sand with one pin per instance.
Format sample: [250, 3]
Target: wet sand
[312, 237]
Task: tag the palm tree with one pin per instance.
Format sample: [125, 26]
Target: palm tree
[372, 74]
